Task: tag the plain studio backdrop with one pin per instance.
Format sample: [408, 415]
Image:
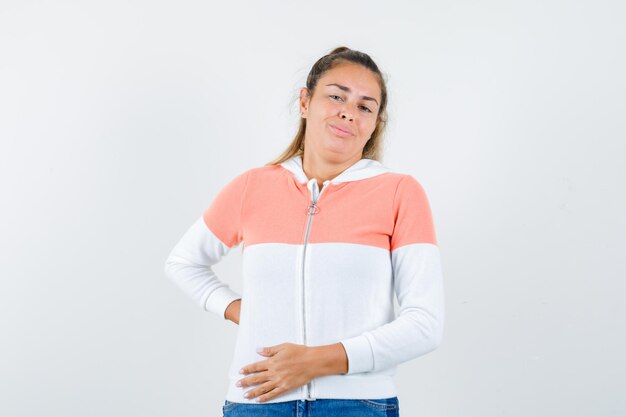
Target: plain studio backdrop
[121, 120]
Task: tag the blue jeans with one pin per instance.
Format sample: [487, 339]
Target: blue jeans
[322, 407]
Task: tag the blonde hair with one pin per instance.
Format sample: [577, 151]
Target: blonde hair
[374, 146]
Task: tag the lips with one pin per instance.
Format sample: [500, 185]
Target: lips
[341, 131]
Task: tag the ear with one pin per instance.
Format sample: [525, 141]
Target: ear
[304, 101]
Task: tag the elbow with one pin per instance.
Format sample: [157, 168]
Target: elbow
[169, 267]
[436, 337]
[432, 327]
[428, 334]
[436, 333]
[428, 342]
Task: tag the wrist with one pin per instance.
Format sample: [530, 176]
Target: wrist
[329, 360]
[232, 311]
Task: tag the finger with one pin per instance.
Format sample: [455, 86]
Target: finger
[254, 367]
[270, 350]
[255, 379]
[265, 391]
[265, 351]
[272, 393]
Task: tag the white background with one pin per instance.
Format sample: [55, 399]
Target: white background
[120, 121]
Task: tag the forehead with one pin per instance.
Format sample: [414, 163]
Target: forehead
[359, 79]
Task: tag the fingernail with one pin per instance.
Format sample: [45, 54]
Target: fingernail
[238, 383]
[241, 371]
[259, 349]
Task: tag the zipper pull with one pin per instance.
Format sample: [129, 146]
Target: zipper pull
[312, 209]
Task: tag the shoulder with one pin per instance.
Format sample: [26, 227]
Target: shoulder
[263, 171]
[413, 215]
[257, 172]
[407, 185]
[403, 182]
[262, 177]
[255, 178]
[410, 195]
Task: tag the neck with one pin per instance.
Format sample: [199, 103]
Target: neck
[322, 169]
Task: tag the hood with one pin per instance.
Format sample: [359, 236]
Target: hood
[363, 168]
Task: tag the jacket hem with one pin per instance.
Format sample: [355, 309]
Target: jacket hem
[363, 386]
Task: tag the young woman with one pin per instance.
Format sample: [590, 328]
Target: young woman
[329, 236]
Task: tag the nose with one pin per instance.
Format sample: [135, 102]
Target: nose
[346, 115]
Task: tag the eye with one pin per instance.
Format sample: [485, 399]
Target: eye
[366, 108]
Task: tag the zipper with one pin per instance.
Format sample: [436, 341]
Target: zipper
[312, 209]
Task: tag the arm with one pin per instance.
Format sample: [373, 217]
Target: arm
[329, 359]
[204, 244]
[418, 285]
[233, 311]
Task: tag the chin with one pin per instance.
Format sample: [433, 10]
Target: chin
[338, 150]
[339, 155]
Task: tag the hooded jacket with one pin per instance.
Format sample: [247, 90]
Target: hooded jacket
[321, 267]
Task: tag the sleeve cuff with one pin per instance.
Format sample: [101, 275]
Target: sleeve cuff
[360, 356]
[220, 299]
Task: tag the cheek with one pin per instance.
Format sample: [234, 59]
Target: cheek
[367, 127]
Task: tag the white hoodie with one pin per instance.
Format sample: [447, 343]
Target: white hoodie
[321, 267]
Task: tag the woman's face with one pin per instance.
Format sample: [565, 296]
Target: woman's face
[347, 98]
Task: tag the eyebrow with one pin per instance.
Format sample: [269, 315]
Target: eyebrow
[347, 89]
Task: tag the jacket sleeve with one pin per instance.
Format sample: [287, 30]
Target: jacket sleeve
[204, 244]
[418, 284]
